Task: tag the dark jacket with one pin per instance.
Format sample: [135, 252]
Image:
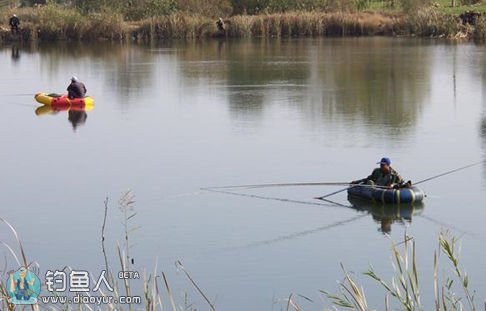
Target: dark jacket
[220, 25]
[76, 90]
[14, 21]
[385, 179]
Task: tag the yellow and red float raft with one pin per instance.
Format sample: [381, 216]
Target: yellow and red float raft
[62, 102]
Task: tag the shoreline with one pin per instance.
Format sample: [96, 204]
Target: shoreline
[69, 25]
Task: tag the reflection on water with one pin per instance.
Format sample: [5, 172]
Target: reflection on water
[383, 82]
[480, 62]
[383, 214]
[387, 214]
[76, 116]
[17, 49]
[483, 136]
[15, 53]
[320, 109]
[375, 81]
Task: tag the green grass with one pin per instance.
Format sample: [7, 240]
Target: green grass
[445, 6]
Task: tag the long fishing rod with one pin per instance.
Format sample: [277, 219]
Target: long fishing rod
[289, 185]
[337, 183]
[449, 172]
[332, 193]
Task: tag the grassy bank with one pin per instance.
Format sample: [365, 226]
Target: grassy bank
[51, 23]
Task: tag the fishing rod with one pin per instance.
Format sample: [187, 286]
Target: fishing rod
[337, 183]
[350, 186]
[332, 193]
[450, 172]
[290, 185]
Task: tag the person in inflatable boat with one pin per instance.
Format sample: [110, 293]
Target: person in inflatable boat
[384, 176]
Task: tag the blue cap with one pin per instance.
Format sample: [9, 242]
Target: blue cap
[384, 161]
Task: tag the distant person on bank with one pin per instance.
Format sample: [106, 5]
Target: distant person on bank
[220, 25]
[76, 89]
[14, 23]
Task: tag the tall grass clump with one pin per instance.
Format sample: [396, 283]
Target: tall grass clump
[108, 26]
[241, 26]
[175, 26]
[59, 23]
[56, 22]
[432, 23]
[298, 24]
[479, 33]
[404, 290]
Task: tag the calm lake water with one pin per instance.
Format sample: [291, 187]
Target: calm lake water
[173, 118]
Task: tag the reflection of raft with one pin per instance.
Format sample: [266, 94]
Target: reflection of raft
[48, 109]
[63, 101]
[387, 211]
[385, 195]
[387, 214]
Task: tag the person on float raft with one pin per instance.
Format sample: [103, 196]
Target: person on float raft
[76, 89]
[384, 176]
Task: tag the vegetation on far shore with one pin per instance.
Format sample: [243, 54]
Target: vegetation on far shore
[149, 20]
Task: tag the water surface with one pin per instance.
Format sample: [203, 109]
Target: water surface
[175, 117]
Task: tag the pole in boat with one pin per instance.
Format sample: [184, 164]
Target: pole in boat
[333, 193]
[351, 186]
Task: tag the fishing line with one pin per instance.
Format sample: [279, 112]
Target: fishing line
[172, 196]
[255, 196]
[449, 226]
[298, 234]
[20, 104]
[26, 94]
